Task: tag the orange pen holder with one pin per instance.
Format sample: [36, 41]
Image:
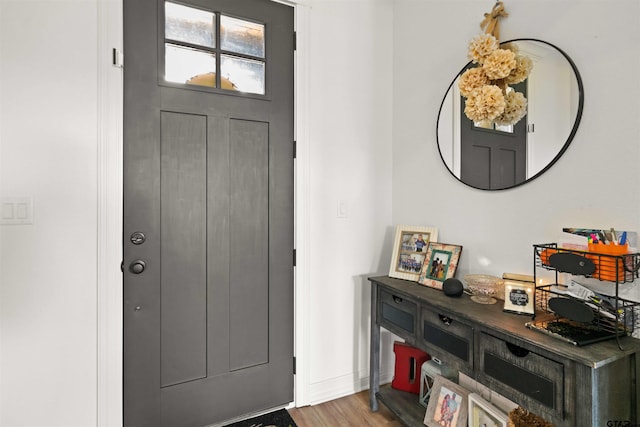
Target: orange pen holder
[609, 264]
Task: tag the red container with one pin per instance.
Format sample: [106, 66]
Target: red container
[409, 361]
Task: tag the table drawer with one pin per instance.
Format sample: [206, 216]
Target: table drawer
[447, 339]
[536, 381]
[397, 313]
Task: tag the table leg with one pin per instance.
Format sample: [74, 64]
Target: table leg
[374, 353]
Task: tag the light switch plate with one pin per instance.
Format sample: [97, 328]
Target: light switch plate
[16, 210]
[342, 209]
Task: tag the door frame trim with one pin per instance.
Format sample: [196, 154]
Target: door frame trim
[302, 202]
[109, 221]
[110, 106]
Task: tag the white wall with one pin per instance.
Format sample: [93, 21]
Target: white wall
[594, 184]
[350, 88]
[48, 151]
[553, 79]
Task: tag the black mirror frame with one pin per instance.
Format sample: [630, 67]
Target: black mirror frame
[576, 124]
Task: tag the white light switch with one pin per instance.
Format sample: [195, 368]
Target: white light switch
[7, 211]
[16, 210]
[22, 211]
[343, 209]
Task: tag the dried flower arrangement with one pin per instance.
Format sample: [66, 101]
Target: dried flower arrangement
[520, 417]
[486, 86]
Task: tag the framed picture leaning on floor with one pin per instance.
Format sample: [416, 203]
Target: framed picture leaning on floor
[484, 414]
[448, 404]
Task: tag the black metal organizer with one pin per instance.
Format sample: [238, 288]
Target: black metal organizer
[613, 316]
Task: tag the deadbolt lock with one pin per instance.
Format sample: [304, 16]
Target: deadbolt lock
[138, 238]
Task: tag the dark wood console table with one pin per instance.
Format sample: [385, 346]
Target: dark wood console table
[595, 385]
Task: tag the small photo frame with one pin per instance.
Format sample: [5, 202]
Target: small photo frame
[409, 250]
[484, 414]
[518, 297]
[448, 404]
[440, 264]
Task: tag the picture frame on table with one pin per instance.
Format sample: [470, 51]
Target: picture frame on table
[448, 404]
[409, 250]
[440, 264]
[483, 414]
[518, 297]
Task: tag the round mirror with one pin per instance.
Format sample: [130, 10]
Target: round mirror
[493, 157]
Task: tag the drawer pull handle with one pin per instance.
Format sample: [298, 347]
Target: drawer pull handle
[397, 300]
[445, 319]
[517, 350]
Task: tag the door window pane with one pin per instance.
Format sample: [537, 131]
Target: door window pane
[487, 124]
[246, 75]
[197, 48]
[190, 66]
[239, 36]
[190, 25]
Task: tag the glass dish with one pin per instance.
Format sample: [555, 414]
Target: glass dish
[483, 287]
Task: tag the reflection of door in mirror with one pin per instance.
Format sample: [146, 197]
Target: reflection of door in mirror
[493, 158]
[555, 102]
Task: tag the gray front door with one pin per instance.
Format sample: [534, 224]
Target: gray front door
[208, 210]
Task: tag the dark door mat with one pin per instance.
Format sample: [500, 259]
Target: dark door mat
[280, 418]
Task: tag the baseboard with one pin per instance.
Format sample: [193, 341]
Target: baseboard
[345, 385]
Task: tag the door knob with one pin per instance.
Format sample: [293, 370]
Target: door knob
[137, 266]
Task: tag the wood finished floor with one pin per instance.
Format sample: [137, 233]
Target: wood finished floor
[350, 411]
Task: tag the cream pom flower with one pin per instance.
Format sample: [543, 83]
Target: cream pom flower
[480, 47]
[513, 47]
[514, 110]
[485, 103]
[499, 64]
[472, 79]
[524, 64]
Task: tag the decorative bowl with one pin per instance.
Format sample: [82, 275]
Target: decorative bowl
[484, 287]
